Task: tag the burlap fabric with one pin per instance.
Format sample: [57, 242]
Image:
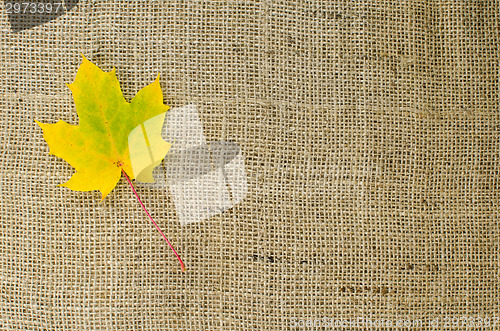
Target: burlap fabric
[370, 131]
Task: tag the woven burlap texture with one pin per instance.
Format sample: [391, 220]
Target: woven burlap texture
[370, 131]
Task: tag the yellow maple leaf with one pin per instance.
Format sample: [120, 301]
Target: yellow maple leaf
[98, 147]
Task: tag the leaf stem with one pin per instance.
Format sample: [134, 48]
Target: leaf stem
[156, 225]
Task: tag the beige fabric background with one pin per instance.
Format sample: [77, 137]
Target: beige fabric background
[371, 133]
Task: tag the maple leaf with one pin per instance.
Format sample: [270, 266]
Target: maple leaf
[98, 147]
